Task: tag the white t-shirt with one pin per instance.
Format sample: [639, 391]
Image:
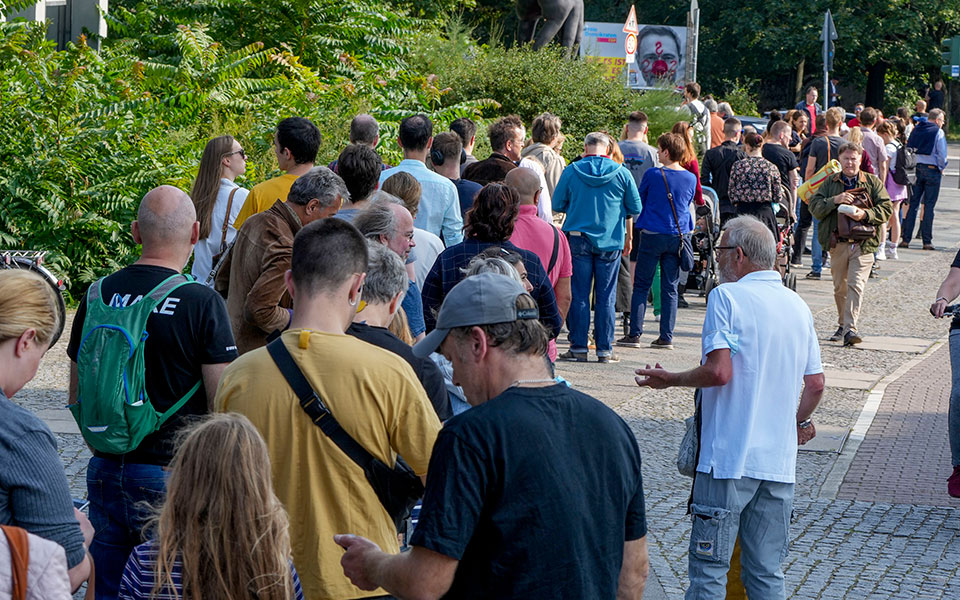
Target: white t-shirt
[750, 424]
[428, 248]
[544, 208]
[205, 249]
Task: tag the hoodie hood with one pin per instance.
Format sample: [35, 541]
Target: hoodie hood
[595, 171]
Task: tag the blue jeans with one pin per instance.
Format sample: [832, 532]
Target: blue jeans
[756, 510]
[597, 269]
[953, 418]
[816, 250]
[119, 494]
[926, 191]
[656, 249]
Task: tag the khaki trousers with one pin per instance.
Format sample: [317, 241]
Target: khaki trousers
[850, 269]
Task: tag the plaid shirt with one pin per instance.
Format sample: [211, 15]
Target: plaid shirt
[446, 273]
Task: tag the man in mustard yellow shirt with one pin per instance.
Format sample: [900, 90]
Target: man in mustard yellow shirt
[373, 393]
[296, 144]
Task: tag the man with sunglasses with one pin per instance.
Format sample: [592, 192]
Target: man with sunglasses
[752, 373]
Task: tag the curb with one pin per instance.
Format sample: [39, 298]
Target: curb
[831, 486]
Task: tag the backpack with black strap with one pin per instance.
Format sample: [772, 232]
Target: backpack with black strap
[905, 165]
[113, 410]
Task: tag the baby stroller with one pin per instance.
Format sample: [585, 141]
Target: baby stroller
[706, 232]
[786, 216]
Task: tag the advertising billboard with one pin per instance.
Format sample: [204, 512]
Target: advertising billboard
[660, 59]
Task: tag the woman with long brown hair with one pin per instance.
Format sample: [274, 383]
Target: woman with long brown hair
[221, 532]
[689, 160]
[218, 200]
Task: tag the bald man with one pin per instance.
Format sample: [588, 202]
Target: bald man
[189, 343]
[542, 238]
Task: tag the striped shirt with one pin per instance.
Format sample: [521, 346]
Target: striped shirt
[140, 574]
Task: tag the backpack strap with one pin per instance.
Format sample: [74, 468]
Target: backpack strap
[314, 406]
[556, 251]
[19, 544]
[226, 220]
[157, 295]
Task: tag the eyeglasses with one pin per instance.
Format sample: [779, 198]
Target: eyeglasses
[241, 152]
[725, 247]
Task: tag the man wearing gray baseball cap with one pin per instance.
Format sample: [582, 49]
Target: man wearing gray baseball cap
[512, 507]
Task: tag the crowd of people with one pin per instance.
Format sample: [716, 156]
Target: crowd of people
[341, 317]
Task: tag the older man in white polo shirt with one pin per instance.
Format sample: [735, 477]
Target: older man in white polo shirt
[759, 351]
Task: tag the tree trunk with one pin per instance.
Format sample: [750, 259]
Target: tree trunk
[798, 87]
[876, 79]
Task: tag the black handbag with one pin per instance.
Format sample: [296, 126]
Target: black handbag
[398, 488]
[686, 243]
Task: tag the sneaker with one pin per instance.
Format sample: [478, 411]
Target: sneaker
[880, 254]
[656, 318]
[572, 356]
[613, 358]
[891, 251]
[837, 335]
[813, 275]
[662, 344]
[629, 341]
[852, 338]
[796, 265]
[953, 483]
[682, 303]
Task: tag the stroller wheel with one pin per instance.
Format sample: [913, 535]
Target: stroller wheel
[709, 286]
[790, 280]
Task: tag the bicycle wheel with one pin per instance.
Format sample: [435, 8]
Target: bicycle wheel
[31, 264]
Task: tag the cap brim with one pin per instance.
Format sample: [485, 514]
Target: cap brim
[430, 343]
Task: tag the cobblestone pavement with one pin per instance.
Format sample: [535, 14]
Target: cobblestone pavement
[847, 543]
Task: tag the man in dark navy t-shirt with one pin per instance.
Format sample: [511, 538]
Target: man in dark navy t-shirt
[535, 492]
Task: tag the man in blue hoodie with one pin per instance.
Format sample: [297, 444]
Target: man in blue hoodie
[598, 196]
[931, 145]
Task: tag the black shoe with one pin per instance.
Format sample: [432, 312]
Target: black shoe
[661, 344]
[613, 358]
[903, 245]
[681, 303]
[837, 335]
[929, 247]
[851, 338]
[629, 341]
[572, 356]
[807, 251]
[813, 275]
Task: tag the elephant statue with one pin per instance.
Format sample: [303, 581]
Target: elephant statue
[559, 16]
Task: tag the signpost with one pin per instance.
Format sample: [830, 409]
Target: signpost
[631, 28]
[693, 39]
[827, 36]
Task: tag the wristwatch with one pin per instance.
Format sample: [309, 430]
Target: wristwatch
[939, 299]
[805, 424]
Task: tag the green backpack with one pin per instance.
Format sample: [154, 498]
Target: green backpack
[113, 410]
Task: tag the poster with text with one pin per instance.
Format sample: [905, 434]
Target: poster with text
[660, 59]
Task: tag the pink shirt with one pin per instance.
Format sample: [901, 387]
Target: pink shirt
[536, 235]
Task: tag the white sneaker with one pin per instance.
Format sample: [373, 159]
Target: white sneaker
[880, 254]
[891, 251]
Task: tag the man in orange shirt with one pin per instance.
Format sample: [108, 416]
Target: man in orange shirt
[295, 144]
[716, 123]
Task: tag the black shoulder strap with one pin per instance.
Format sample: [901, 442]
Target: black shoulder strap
[556, 250]
[314, 406]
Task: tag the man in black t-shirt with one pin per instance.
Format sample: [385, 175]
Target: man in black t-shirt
[718, 162]
[777, 151]
[188, 341]
[383, 289]
[511, 508]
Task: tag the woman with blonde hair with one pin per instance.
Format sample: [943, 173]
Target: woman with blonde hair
[221, 532]
[218, 200]
[35, 492]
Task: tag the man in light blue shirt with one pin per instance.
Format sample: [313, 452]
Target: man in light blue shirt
[931, 145]
[753, 371]
[439, 211]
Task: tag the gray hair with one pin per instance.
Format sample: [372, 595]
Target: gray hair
[934, 114]
[597, 138]
[320, 183]
[755, 239]
[482, 264]
[386, 275]
[382, 197]
[364, 129]
[724, 109]
[376, 220]
[711, 104]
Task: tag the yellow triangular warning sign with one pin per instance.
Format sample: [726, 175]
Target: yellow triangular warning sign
[631, 25]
